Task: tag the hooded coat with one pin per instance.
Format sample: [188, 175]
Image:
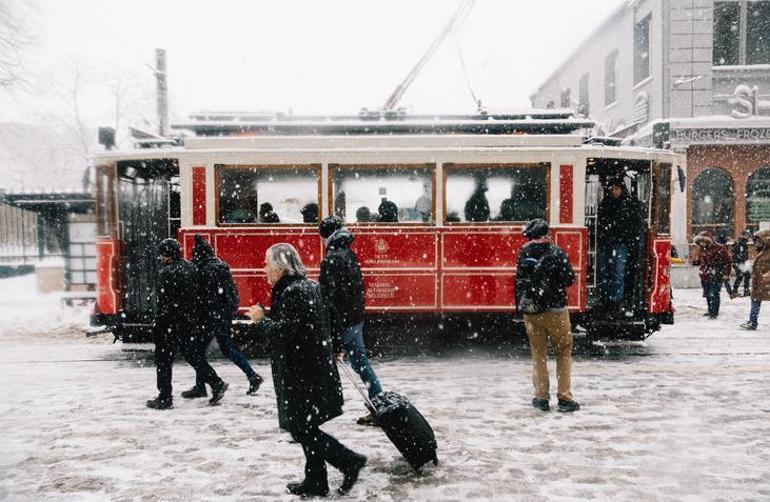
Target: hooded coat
[308, 390]
[217, 293]
[342, 285]
[621, 219]
[175, 311]
[714, 260]
[760, 270]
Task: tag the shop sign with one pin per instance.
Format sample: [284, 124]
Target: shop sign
[746, 102]
[721, 135]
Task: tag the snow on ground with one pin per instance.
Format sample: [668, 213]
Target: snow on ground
[683, 416]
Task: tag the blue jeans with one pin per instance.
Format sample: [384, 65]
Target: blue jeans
[711, 289]
[353, 340]
[612, 267]
[754, 314]
[223, 334]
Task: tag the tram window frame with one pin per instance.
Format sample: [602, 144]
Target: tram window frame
[662, 191]
[105, 202]
[219, 168]
[518, 165]
[333, 169]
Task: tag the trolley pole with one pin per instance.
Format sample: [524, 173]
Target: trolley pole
[162, 90]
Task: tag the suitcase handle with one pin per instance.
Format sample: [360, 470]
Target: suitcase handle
[358, 385]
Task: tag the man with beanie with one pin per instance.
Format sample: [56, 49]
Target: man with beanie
[543, 273]
[218, 301]
[175, 326]
[342, 286]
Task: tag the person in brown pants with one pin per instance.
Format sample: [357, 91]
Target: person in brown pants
[543, 273]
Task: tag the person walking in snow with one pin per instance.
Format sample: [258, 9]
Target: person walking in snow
[714, 262]
[218, 304]
[175, 326]
[760, 282]
[299, 323]
[343, 289]
[543, 272]
[740, 251]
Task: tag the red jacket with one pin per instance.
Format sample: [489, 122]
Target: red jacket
[714, 261]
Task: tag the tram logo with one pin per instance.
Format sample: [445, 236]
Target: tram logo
[381, 246]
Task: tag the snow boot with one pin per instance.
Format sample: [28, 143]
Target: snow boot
[195, 392]
[217, 393]
[747, 325]
[541, 404]
[568, 406]
[306, 490]
[351, 472]
[369, 419]
[160, 403]
[254, 384]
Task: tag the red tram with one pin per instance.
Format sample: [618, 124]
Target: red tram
[245, 183]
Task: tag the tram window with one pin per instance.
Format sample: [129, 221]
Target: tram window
[385, 194]
[663, 199]
[267, 194]
[103, 201]
[496, 193]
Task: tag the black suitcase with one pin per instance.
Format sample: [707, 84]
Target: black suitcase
[406, 428]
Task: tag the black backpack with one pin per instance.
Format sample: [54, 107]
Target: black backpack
[537, 287]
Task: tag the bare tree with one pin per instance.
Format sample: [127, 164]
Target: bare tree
[13, 40]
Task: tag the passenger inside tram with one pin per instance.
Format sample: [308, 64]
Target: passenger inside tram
[310, 213]
[266, 214]
[388, 211]
[363, 215]
[477, 207]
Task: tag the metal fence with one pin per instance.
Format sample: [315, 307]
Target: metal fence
[19, 234]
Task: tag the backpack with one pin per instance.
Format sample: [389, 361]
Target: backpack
[531, 298]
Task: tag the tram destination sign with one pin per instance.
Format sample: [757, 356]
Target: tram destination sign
[713, 135]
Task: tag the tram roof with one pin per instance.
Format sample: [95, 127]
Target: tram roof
[535, 121]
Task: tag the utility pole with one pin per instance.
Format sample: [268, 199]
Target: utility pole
[162, 90]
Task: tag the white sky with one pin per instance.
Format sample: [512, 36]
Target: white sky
[308, 56]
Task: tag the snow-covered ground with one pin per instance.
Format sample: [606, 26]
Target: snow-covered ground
[683, 416]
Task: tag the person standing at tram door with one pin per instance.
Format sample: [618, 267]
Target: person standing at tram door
[714, 262]
[299, 323]
[619, 227]
[477, 207]
[175, 326]
[760, 283]
[218, 304]
[342, 285]
[742, 269]
[543, 272]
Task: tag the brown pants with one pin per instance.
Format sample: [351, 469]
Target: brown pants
[556, 326]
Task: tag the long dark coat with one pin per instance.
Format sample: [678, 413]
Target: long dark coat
[308, 387]
[342, 285]
[217, 294]
[175, 312]
[620, 220]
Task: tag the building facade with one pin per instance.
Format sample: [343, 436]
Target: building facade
[692, 75]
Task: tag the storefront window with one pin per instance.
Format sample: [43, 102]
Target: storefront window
[267, 194]
[712, 202]
[758, 198]
[384, 193]
[496, 193]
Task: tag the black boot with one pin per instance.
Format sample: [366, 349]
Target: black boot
[541, 404]
[305, 489]
[568, 406]
[160, 403]
[351, 472]
[254, 384]
[217, 393]
[195, 392]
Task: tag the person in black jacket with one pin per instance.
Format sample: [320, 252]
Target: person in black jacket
[343, 288]
[543, 272]
[175, 326]
[620, 227]
[740, 251]
[217, 304]
[299, 323]
[477, 206]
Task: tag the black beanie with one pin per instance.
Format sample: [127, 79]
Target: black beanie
[170, 248]
[535, 229]
[329, 225]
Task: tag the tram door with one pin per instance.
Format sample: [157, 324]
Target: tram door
[148, 212]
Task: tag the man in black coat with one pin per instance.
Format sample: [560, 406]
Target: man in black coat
[342, 285]
[218, 301]
[543, 272]
[299, 324]
[175, 326]
[620, 228]
[740, 256]
[477, 206]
